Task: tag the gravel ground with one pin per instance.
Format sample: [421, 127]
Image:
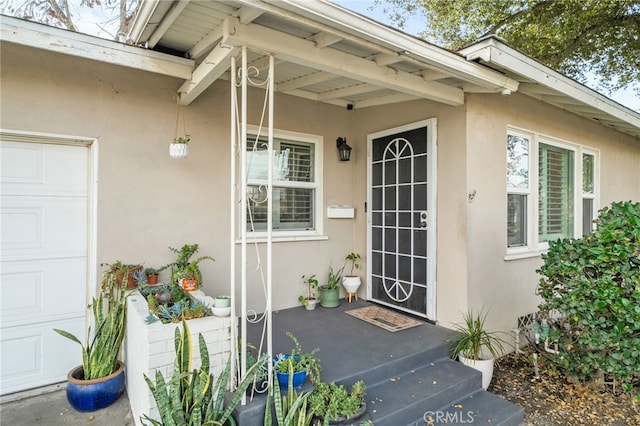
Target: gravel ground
[552, 400]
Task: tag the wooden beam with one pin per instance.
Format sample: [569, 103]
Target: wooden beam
[305, 52]
[214, 65]
[357, 89]
[384, 59]
[307, 80]
[206, 43]
[52, 39]
[323, 39]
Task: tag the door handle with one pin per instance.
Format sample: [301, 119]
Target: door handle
[423, 220]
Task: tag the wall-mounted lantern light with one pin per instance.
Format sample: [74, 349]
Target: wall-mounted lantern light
[343, 149]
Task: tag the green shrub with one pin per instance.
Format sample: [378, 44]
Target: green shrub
[591, 286]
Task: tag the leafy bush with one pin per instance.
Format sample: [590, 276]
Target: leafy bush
[591, 287]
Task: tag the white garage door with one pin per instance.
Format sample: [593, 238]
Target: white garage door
[44, 239]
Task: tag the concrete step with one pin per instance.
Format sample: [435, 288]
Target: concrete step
[403, 398]
[407, 373]
[479, 408]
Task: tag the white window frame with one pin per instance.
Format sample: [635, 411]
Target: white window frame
[534, 247]
[530, 208]
[595, 195]
[281, 235]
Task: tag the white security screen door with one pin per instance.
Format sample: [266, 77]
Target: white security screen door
[401, 218]
[43, 276]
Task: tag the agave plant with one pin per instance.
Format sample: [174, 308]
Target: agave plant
[195, 397]
[100, 353]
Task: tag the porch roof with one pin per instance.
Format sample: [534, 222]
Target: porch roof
[327, 53]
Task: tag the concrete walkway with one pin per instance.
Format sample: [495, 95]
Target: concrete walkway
[49, 407]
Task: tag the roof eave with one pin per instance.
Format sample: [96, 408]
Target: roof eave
[492, 51]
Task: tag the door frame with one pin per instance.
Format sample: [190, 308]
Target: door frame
[431, 125]
[91, 144]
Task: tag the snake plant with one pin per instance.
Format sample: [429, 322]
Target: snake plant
[194, 397]
[100, 353]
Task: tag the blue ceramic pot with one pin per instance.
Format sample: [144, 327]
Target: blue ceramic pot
[92, 395]
[298, 378]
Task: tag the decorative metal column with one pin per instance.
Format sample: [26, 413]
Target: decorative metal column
[240, 168]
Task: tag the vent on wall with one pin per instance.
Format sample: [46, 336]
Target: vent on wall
[526, 321]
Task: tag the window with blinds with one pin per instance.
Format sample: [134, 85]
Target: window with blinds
[556, 192]
[294, 185]
[557, 199]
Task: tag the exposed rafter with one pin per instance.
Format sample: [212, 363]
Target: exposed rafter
[323, 39]
[305, 52]
[167, 21]
[307, 80]
[215, 64]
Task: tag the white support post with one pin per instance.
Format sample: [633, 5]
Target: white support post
[270, 221]
[232, 221]
[243, 208]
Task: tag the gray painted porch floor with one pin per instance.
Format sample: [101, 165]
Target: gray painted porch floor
[407, 374]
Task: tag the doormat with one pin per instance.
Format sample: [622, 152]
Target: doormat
[384, 318]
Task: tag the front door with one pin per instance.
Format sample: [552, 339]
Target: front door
[401, 218]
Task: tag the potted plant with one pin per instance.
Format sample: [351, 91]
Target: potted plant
[301, 364]
[99, 381]
[121, 271]
[330, 293]
[195, 397]
[334, 405]
[184, 271]
[152, 276]
[291, 410]
[140, 277]
[472, 343]
[179, 147]
[351, 282]
[170, 303]
[310, 301]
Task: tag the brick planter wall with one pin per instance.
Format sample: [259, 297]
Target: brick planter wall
[150, 347]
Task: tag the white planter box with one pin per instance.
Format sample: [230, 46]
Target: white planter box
[150, 347]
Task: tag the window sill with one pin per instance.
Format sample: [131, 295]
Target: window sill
[284, 238]
[523, 254]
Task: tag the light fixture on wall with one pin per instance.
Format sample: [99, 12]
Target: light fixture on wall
[343, 149]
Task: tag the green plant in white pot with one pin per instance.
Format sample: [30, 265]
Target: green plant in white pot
[179, 148]
[476, 347]
[310, 301]
[351, 282]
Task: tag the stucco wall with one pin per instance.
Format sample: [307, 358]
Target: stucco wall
[507, 288]
[147, 201]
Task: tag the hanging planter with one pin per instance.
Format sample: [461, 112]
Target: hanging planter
[178, 148]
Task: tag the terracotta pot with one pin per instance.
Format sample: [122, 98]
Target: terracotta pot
[131, 282]
[189, 284]
[152, 279]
